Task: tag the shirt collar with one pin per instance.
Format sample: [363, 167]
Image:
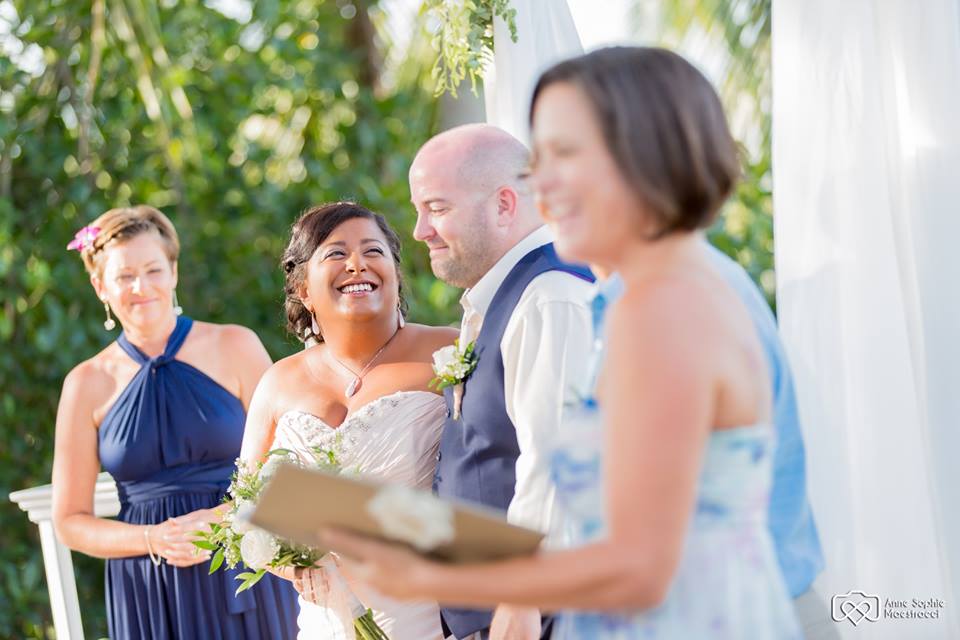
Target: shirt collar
[478, 297]
[611, 288]
[603, 293]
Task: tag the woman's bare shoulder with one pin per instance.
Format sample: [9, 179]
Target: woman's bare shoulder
[432, 338]
[663, 316]
[286, 370]
[277, 383]
[230, 337]
[102, 366]
[93, 381]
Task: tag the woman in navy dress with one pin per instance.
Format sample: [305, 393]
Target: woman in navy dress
[162, 409]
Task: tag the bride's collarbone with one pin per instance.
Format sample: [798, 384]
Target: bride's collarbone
[403, 363]
[383, 379]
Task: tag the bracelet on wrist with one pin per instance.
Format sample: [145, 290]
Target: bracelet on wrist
[156, 559]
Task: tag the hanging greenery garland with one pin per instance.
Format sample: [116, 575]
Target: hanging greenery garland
[464, 39]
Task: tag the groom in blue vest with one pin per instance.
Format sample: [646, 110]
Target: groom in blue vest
[526, 314]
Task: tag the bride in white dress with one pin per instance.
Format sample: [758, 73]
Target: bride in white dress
[360, 389]
[393, 437]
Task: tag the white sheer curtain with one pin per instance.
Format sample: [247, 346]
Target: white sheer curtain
[545, 35]
[866, 119]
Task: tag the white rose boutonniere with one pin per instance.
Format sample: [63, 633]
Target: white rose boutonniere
[453, 365]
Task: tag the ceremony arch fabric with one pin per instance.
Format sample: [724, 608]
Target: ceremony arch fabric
[546, 35]
[866, 162]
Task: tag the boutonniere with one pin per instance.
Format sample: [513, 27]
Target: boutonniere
[453, 365]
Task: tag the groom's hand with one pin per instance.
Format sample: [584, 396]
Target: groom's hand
[515, 623]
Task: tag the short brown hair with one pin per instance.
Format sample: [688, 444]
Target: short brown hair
[124, 223]
[664, 126]
[310, 230]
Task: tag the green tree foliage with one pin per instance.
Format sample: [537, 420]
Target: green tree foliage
[730, 40]
[464, 39]
[231, 126]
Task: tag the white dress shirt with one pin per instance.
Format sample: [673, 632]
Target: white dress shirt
[545, 348]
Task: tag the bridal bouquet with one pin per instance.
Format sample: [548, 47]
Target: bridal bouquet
[233, 540]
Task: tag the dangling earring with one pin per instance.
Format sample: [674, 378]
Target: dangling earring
[109, 323]
[309, 338]
[177, 309]
[400, 314]
[313, 325]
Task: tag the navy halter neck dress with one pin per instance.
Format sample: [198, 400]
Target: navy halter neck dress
[170, 442]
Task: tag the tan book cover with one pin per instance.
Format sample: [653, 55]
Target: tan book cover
[298, 502]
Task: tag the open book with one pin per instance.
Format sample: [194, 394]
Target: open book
[298, 502]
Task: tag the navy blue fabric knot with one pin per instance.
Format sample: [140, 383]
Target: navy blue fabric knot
[170, 414]
[159, 361]
[174, 343]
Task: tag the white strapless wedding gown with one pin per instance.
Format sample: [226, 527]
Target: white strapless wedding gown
[395, 438]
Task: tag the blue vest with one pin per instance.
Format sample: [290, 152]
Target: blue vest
[478, 452]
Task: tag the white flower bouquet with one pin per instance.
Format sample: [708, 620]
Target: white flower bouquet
[233, 540]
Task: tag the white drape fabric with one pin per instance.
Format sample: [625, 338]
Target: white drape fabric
[546, 35]
[866, 157]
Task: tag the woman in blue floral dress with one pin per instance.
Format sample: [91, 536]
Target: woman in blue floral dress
[663, 478]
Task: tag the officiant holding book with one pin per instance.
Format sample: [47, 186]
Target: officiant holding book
[666, 483]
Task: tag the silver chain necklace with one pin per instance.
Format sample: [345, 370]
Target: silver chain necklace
[357, 381]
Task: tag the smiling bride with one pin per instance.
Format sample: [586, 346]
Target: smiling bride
[360, 390]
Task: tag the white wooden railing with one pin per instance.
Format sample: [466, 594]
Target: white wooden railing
[57, 562]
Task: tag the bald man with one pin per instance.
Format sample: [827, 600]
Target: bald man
[526, 313]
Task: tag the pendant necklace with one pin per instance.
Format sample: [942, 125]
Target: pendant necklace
[357, 381]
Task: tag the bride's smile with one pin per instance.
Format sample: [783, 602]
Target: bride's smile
[358, 289]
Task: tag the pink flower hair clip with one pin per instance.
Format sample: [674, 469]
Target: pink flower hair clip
[83, 239]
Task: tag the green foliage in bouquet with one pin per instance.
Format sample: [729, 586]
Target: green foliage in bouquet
[225, 538]
[233, 540]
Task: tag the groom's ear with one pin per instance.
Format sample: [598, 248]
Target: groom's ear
[506, 206]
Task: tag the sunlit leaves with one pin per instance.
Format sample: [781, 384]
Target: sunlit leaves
[730, 41]
[232, 125]
[462, 36]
